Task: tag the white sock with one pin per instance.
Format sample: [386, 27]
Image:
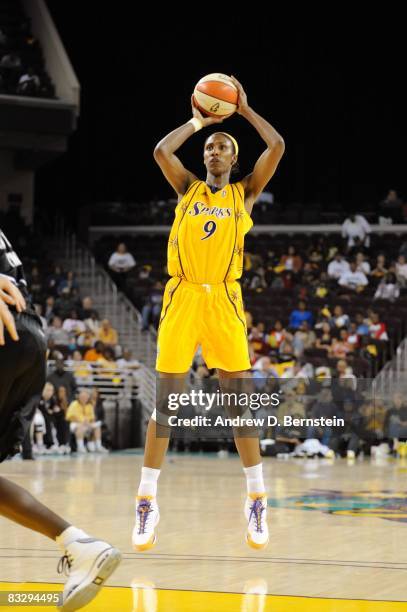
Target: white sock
[148, 482]
[71, 534]
[80, 445]
[98, 443]
[254, 477]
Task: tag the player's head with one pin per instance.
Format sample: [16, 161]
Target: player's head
[220, 153]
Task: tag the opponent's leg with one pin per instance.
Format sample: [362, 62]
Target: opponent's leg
[90, 562]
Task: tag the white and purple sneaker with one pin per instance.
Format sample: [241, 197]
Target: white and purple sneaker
[255, 511]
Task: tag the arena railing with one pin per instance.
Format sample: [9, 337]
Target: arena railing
[119, 388]
[99, 231]
[112, 304]
[111, 382]
[393, 377]
[124, 316]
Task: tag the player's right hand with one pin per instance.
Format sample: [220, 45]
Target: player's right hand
[204, 120]
[7, 322]
[11, 295]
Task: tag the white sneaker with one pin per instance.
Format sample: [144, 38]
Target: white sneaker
[91, 447]
[101, 449]
[255, 511]
[88, 563]
[147, 517]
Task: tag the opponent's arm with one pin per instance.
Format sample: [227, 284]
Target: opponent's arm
[267, 163]
[164, 153]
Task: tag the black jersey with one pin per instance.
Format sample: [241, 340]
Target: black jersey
[12, 268]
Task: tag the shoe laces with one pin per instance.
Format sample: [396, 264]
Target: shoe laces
[65, 563]
[256, 511]
[143, 512]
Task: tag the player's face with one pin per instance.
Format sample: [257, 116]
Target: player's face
[219, 154]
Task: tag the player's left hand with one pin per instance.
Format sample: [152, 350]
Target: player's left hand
[7, 322]
[242, 105]
[204, 120]
[11, 295]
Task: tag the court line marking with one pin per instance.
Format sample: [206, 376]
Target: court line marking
[311, 597]
[127, 557]
[189, 557]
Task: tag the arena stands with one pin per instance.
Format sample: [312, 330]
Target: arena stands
[22, 67]
[85, 354]
[282, 270]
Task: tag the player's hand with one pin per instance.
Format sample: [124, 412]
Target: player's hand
[7, 322]
[11, 295]
[242, 105]
[204, 120]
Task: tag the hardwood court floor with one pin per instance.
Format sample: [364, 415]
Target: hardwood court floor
[337, 544]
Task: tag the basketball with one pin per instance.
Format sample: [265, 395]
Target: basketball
[216, 95]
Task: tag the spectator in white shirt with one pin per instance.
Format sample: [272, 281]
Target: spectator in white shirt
[361, 264]
[353, 280]
[388, 288]
[121, 260]
[127, 361]
[339, 319]
[56, 334]
[401, 270]
[120, 263]
[356, 230]
[338, 266]
[73, 326]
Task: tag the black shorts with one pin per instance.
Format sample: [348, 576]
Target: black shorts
[22, 378]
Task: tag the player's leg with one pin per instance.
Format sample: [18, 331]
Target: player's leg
[18, 505]
[177, 343]
[248, 446]
[90, 562]
[156, 445]
[226, 348]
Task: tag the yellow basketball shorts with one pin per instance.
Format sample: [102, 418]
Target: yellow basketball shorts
[211, 316]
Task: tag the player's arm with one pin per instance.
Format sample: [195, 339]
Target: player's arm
[164, 153]
[267, 163]
[9, 295]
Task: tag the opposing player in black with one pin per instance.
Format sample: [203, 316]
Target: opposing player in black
[87, 561]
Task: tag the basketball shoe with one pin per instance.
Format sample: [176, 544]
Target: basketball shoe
[255, 511]
[147, 517]
[88, 563]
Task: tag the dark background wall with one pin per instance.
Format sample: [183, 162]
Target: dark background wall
[335, 96]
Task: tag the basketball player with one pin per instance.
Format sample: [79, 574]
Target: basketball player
[87, 561]
[202, 302]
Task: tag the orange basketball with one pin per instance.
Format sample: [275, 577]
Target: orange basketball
[216, 95]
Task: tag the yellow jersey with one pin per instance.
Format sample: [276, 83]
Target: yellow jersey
[206, 241]
[78, 412]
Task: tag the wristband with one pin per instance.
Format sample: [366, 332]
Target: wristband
[197, 123]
